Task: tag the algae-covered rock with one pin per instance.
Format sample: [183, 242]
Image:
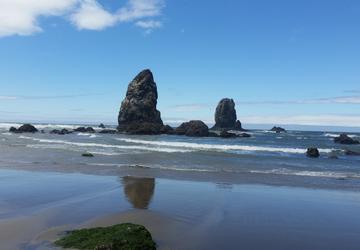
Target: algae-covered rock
[122, 236]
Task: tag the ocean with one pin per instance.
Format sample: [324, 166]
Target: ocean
[265, 154]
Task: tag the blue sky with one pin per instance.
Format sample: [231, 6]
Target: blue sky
[283, 62]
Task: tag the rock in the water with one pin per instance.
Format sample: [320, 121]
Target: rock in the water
[87, 155]
[13, 130]
[352, 153]
[167, 130]
[108, 131]
[213, 134]
[226, 134]
[345, 139]
[278, 130]
[225, 116]
[193, 128]
[313, 153]
[102, 125]
[85, 130]
[138, 113]
[60, 132]
[26, 128]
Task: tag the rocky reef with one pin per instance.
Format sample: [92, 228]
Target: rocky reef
[278, 130]
[225, 116]
[193, 128]
[26, 128]
[138, 113]
[345, 139]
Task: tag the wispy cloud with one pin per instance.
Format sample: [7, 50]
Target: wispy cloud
[316, 120]
[21, 17]
[22, 97]
[329, 100]
[189, 107]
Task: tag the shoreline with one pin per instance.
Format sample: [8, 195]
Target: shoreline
[180, 214]
[312, 182]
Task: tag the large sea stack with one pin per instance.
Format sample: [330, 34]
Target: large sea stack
[225, 116]
[138, 113]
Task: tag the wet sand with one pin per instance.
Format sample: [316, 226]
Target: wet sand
[37, 207]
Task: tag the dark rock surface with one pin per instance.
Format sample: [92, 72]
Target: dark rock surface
[102, 125]
[60, 132]
[168, 130]
[87, 155]
[278, 130]
[13, 130]
[193, 128]
[85, 130]
[138, 113]
[226, 134]
[225, 116]
[352, 153]
[26, 128]
[313, 153]
[345, 139]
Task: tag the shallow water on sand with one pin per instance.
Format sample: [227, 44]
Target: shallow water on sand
[180, 214]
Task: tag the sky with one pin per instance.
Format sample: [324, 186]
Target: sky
[283, 62]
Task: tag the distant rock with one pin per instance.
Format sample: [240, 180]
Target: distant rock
[225, 116]
[26, 128]
[193, 128]
[278, 130]
[352, 153]
[87, 155]
[144, 128]
[313, 153]
[168, 130]
[138, 113]
[226, 134]
[102, 125]
[213, 134]
[13, 130]
[345, 139]
[85, 130]
[60, 132]
[108, 131]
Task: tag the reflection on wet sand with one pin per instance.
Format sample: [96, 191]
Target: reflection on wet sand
[139, 191]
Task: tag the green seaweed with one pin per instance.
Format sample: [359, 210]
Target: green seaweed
[122, 236]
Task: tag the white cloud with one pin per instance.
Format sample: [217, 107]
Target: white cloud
[149, 24]
[92, 16]
[8, 97]
[21, 17]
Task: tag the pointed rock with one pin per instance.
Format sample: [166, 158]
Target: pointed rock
[225, 116]
[138, 113]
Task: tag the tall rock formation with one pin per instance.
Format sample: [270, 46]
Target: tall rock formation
[225, 116]
[138, 113]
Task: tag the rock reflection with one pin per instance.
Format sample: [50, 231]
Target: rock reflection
[139, 191]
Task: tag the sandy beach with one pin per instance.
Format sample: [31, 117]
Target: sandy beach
[38, 207]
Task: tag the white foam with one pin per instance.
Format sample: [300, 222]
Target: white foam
[327, 174]
[219, 147]
[81, 144]
[337, 135]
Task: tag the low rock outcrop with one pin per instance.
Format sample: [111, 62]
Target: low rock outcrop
[85, 130]
[226, 134]
[345, 139]
[60, 132]
[352, 153]
[193, 128]
[26, 128]
[278, 130]
[313, 153]
[138, 113]
[225, 116]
